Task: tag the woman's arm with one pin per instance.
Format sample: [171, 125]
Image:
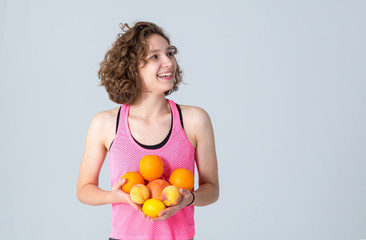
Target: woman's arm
[206, 160]
[99, 136]
[198, 128]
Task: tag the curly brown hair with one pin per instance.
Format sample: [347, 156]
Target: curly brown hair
[119, 71]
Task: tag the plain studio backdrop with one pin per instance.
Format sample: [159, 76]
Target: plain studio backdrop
[283, 81]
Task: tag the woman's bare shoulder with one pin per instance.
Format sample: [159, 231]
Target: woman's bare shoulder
[194, 113]
[103, 126]
[107, 115]
[195, 120]
[105, 120]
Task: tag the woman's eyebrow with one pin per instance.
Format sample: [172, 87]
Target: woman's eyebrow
[158, 50]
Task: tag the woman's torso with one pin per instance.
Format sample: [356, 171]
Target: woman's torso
[125, 154]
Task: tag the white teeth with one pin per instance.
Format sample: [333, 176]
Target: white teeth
[165, 75]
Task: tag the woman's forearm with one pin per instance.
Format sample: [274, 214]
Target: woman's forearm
[91, 194]
[206, 194]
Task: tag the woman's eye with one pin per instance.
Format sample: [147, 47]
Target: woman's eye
[154, 57]
[170, 54]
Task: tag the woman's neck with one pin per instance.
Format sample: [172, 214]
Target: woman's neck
[150, 107]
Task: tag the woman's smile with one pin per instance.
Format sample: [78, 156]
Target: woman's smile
[159, 72]
[166, 75]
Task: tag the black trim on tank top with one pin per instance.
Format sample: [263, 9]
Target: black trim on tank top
[156, 146]
[180, 115]
[117, 122]
[159, 145]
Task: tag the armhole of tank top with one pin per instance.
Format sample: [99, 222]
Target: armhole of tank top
[117, 123]
[180, 115]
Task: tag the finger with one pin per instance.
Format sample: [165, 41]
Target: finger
[168, 212]
[184, 192]
[137, 207]
[163, 212]
[134, 205]
[187, 196]
[119, 184]
[122, 181]
[143, 214]
[162, 216]
[155, 219]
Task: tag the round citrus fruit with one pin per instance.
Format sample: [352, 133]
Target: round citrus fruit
[156, 187]
[182, 178]
[152, 207]
[151, 167]
[132, 178]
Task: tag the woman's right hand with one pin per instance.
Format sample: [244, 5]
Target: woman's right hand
[119, 196]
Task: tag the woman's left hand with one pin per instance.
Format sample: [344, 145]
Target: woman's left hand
[170, 211]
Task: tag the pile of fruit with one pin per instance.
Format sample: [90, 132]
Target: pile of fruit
[158, 193]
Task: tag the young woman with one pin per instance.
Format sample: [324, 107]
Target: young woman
[138, 72]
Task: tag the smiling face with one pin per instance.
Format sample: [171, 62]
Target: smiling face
[158, 72]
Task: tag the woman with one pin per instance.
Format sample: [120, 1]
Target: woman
[138, 72]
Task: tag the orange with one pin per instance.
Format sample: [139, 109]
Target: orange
[151, 167]
[156, 187]
[152, 207]
[182, 178]
[132, 178]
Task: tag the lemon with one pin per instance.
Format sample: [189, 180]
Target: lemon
[152, 207]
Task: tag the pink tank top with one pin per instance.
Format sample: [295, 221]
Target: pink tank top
[124, 156]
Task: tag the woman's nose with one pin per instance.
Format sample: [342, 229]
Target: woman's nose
[168, 61]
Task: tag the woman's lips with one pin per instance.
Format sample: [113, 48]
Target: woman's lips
[166, 75]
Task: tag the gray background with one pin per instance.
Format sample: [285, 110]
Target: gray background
[283, 81]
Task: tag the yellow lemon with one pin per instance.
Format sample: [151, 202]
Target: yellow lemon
[152, 207]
